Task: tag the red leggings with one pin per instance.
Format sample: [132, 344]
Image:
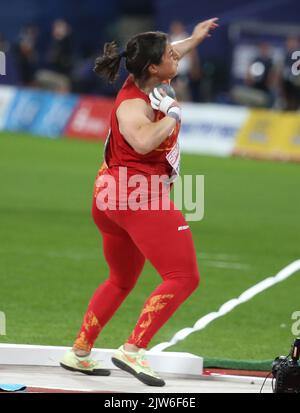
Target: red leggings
[130, 237]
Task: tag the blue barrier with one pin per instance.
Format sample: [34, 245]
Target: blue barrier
[24, 110]
[39, 112]
[54, 115]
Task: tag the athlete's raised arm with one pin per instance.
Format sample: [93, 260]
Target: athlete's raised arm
[200, 32]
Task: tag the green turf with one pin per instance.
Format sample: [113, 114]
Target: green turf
[51, 261]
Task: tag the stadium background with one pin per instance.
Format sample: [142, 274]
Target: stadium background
[50, 251]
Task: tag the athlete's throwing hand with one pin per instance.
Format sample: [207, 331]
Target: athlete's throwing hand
[161, 101]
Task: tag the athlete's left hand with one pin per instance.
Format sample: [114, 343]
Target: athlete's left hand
[202, 30]
[161, 101]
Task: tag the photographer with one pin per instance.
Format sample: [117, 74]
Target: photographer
[286, 371]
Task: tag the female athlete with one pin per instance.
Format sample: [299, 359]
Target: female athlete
[142, 144]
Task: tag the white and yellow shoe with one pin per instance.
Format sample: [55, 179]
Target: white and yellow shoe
[136, 364]
[84, 364]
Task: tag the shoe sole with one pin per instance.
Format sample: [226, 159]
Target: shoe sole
[96, 372]
[144, 378]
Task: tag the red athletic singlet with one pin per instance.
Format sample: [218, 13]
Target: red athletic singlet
[164, 160]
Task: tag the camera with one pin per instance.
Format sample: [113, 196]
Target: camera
[286, 371]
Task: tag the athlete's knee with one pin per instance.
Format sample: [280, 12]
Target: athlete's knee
[124, 285]
[187, 281]
[125, 280]
[192, 275]
[196, 280]
[193, 280]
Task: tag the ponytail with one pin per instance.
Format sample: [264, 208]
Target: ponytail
[140, 51]
[108, 64]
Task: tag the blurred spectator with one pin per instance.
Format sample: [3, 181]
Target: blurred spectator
[26, 54]
[259, 74]
[4, 44]
[258, 90]
[83, 77]
[60, 59]
[187, 81]
[290, 83]
[60, 53]
[50, 80]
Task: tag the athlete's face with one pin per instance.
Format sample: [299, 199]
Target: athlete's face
[167, 69]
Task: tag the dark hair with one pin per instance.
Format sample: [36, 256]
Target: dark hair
[141, 51]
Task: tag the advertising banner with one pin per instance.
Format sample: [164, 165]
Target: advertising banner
[270, 135]
[90, 119]
[210, 129]
[39, 112]
[53, 115]
[24, 110]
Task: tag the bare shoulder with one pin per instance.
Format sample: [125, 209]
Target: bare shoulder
[133, 109]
